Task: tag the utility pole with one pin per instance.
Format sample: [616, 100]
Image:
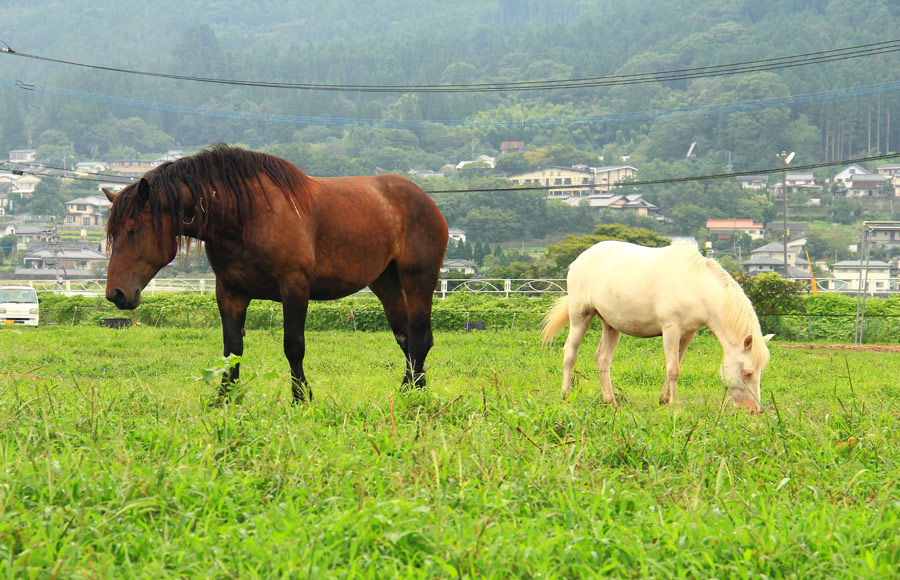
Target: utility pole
[785, 158]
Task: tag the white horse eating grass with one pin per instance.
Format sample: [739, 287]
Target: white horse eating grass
[671, 291]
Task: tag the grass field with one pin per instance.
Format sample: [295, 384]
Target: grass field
[113, 466]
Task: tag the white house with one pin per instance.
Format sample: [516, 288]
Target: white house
[632, 203]
[846, 276]
[457, 235]
[462, 266]
[753, 181]
[848, 173]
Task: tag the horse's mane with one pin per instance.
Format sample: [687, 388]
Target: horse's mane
[737, 309]
[221, 180]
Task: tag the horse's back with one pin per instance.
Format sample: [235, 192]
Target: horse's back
[639, 289]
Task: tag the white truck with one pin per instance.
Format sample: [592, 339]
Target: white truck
[19, 305]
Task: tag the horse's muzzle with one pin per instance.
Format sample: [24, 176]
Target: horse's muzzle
[117, 296]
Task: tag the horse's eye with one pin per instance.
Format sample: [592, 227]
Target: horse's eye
[131, 232]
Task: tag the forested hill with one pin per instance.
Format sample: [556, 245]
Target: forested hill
[407, 42]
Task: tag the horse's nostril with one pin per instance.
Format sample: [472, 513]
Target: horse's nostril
[117, 297]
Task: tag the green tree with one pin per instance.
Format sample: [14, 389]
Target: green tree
[8, 244]
[565, 252]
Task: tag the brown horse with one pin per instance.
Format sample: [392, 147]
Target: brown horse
[274, 233]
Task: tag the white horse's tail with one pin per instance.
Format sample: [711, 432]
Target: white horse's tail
[555, 320]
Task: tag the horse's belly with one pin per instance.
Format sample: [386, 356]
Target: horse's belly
[332, 289]
[640, 327]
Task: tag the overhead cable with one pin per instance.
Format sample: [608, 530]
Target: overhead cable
[765, 64]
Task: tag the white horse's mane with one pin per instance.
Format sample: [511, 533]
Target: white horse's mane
[737, 309]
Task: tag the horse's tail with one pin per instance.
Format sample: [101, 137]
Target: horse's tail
[555, 320]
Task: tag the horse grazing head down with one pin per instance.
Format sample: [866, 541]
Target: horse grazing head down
[141, 244]
[741, 369]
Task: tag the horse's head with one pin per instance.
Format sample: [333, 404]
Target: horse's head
[741, 370]
[139, 247]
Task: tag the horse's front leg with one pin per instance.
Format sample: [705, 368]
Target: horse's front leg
[233, 310]
[294, 307]
[672, 346]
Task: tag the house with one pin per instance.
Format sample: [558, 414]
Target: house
[129, 167]
[462, 266]
[90, 167]
[869, 185]
[887, 234]
[724, 228]
[846, 174]
[27, 235]
[87, 211]
[72, 256]
[796, 230]
[171, 155]
[753, 181]
[576, 181]
[457, 235]
[891, 172]
[21, 184]
[847, 276]
[632, 203]
[507, 146]
[775, 251]
[796, 182]
[424, 173]
[23, 156]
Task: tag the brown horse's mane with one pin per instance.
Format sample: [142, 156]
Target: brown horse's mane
[221, 181]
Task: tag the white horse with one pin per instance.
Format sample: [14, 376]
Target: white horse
[671, 291]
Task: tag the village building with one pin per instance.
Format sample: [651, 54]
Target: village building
[87, 211]
[725, 228]
[576, 181]
[851, 275]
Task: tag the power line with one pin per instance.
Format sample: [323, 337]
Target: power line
[634, 116]
[774, 63]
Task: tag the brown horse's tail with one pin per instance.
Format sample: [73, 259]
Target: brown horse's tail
[555, 320]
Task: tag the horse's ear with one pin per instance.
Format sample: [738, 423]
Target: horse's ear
[768, 337]
[143, 192]
[109, 195]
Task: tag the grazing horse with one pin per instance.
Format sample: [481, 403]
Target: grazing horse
[671, 291]
[272, 232]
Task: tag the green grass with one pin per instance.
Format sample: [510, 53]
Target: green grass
[112, 465]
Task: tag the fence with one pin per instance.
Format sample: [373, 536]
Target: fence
[496, 286]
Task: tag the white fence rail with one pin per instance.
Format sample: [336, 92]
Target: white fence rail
[495, 286]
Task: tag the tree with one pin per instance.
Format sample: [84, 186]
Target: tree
[13, 134]
[8, 244]
[48, 198]
[565, 252]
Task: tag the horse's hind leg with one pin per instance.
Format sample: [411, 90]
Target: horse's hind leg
[579, 322]
[418, 288]
[294, 305]
[608, 343]
[388, 289]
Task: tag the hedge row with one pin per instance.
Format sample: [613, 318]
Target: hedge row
[829, 317]
[193, 310]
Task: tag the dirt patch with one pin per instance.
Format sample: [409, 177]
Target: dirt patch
[862, 347]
